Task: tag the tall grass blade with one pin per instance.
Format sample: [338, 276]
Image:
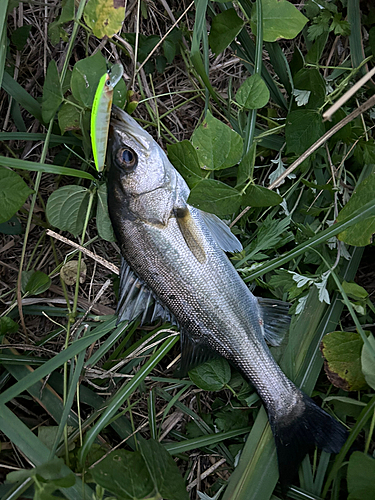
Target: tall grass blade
[20, 95]
[57, 361]
[126, 390]
[29, 136]
[22, 437]
[355, 37]
[3, 36]
[208, 440]
[44, 167]
[362, 213]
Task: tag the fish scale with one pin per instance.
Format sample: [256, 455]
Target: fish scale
[177, 252]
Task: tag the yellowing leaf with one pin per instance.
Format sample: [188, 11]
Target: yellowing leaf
[105, 17]
[342, 360]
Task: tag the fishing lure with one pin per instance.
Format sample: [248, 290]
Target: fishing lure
[101, 112]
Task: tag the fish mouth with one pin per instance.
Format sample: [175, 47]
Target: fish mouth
[123, 122]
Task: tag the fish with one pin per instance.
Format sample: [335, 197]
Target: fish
[175, 256]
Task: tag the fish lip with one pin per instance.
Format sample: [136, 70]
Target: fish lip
[126, 124]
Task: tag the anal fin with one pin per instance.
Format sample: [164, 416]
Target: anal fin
[194, 352]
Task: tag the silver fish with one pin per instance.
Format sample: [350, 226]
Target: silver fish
[174, 254]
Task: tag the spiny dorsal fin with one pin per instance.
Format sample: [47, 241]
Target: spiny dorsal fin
[221, 232]
[276, 319]
[190, 232]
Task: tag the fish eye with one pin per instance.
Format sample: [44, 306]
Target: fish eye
[127, 158]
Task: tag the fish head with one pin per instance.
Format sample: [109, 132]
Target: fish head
[138, 165]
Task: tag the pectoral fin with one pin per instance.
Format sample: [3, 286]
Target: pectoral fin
[221, 233]
[190, 232]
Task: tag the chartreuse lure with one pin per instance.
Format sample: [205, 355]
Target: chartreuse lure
[101, 112]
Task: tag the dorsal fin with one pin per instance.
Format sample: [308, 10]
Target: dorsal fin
[276, 319]
[221, 232]
[190, 232]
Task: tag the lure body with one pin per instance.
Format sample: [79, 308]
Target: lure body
[101, 112]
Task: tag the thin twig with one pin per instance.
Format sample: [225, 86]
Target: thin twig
[84, 250]
[327, 115]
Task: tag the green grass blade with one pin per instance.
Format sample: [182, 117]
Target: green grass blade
[365, 415]
[69, 400]
[355, 37]
[22, 437]
[43, 394]
[208, 440]
[20, 95]
[280, 65]
[120, 424]
[44, 167]
[107, 344]
[29, 136]
[152, 414]
[57, 361]
[3, 36]
[126, 390]
[362, 213]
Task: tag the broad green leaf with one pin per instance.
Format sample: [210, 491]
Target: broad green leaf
[215, 197]
[52, 92]
[103, 222]
[225, 27]
[212, 375]
[13, 193]
[85, 78]
[69, 116]
[105, 17]
[185, 159]
[253, 93]
[35, 282]
[303, 128]
[281, 19]
[309, 79]
[20, 35]
[361, 477]
[354, 291]
[124, 473]
[217, 145]
[342, 354]
[66, 208]
[360, 234]
[7, 325]
[163, 470]
[53, 471]
[258, 196]
[368, 366]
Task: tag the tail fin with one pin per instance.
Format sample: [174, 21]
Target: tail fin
[300, 432]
